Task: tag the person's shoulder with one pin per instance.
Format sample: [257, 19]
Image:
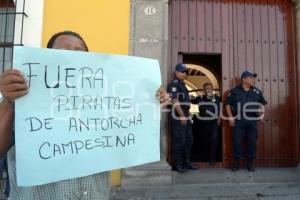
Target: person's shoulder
[196, 99]
[174, 82]
[238, 89]
[257, 91]
[173, 86]
[234, 90]
[200, 98]
[218, 97]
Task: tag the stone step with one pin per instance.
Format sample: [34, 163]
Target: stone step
[157, 181]
[234, 191]
[152, 166]
[154, 175]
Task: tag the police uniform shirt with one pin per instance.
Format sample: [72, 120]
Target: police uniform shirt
[239, 95]
[178, 91]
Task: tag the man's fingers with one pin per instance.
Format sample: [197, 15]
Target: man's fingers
[12, 72]
[183, 123]
[163, 96]
[165, 100]
[161, 89]
[11, 79]
[161, 92]
[16, 87]
[11, 96]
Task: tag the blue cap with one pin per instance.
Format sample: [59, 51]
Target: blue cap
[248, 73]
[180, 67]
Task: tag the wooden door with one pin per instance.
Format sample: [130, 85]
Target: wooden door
[249, 34]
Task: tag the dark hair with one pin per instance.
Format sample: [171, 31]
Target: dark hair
[207, 84]
[70, 33]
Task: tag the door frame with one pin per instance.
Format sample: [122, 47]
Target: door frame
[225, 161]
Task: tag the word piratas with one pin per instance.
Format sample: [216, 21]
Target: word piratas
[91, 102]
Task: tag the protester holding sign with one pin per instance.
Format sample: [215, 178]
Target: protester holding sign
[12, 86]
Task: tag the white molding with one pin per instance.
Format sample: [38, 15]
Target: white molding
[33, 23]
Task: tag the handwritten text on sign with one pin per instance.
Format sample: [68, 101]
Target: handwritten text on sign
[85, 113]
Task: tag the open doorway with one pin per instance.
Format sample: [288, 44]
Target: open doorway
[203, 68]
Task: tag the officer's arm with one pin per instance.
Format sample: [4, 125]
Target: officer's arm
[262, 107]
[230, 115]
[173, 90]
[229, 103]
[6, 123]
[219, 105]
[263, 100]
[178, 108]
[228, 111]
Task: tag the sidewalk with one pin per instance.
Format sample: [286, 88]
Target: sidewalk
[243, 191]
[157, 181]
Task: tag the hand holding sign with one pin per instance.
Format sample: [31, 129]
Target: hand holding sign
[85, 113]
[13, 85]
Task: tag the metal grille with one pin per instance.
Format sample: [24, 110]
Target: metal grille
[10, 12]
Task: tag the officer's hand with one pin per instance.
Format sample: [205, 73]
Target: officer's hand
[183, 121]
[163, 96]
[219, 121]
[261, 114]
[261, 120]
[13, 85]
[232, 122]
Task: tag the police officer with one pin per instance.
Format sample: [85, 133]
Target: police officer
[181, 130]
[244, 106]
[209, 118]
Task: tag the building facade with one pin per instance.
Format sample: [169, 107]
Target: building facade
[217, 39]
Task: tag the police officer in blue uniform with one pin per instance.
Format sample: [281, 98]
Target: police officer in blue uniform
[209, 118]
[181, 130]
[245, 105]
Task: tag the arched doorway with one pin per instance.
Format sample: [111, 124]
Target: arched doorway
[202, 68]
[197, 76]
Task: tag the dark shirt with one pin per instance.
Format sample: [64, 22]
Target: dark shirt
[177, 90]
[239, 96]
[209, 108]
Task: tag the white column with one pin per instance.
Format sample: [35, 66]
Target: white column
[33, 23]
[149, 38]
